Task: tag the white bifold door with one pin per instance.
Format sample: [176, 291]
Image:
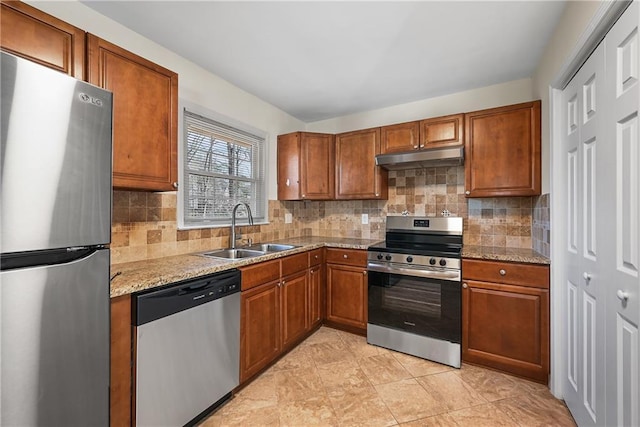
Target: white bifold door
[601, 174]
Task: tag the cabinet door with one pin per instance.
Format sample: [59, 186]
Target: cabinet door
[295, 307]
[121, 360]
[506, 327]
[315, 296]
[502, 148]
[357, 176]
[317, 166]
[32, 34]
[145, 116]
[442, 131]
[347, 295]
[400, 137]
[259, 328]
[289, 166]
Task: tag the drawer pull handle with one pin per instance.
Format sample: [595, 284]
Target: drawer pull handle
[502, 272]
[465, 286]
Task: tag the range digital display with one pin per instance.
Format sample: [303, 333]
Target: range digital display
[424, 223]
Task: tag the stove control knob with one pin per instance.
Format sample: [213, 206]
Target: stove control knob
[379, 256]
[409, 259]
[388, 257]
[443, 262]
[432, 261]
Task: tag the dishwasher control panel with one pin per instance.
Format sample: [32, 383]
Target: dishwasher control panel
[176, 297]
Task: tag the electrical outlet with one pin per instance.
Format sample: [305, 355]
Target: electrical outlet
[288, 218]
[365, 218]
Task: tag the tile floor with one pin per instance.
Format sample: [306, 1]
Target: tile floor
[335, 378]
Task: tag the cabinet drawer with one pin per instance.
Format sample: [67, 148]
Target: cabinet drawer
[315, 257]
[294, 263]
[347, 257]
[258, 274]
[506, 272]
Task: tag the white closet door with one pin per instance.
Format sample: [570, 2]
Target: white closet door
[587, 183]
[623, 263]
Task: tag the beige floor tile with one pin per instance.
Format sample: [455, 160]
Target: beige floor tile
[486, 415]
[343, 374]
[442, 420]
[360, 407]
[450, 390]
[407, 400]
[326, 352]
[536, 409]
[299, 357]
[420, 367]
[315, 411]
[264, 417]
[491, 385]
[297, 384]
[358, 345]
[323, 334]
[260, 394]
[383, 368]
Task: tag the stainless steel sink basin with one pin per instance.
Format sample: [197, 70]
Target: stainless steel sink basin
[233, 253]
[271, 247]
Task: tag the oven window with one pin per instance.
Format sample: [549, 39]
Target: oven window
[426, 307]
[413, 296]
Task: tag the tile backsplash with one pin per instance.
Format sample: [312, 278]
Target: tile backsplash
[144, 224]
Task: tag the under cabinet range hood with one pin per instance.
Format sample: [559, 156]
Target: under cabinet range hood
[431, 157]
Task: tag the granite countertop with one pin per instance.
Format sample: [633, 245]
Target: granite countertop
[141, 275]
[528, 256]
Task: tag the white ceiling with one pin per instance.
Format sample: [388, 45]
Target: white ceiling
[319, 60]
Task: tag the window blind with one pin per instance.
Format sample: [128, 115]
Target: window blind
[223, 166]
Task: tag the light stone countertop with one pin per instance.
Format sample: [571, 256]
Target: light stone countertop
[528, 256]
[141, 275]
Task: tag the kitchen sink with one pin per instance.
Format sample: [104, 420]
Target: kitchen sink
[234, 253]
[271, 247]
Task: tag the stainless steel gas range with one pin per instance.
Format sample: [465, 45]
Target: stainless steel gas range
[415, 288]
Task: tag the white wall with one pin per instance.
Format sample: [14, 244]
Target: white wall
[476, 99]
[195, 84]
[573, 23]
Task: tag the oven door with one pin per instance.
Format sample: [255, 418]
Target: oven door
[425, 302]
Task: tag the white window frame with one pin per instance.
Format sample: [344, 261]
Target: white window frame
[183, 173]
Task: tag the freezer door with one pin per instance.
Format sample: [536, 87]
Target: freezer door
[54, 344]
[55, 184]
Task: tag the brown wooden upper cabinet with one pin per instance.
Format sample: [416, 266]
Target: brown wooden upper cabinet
[32, 34]
[357, 176]
[428, 133]
[306, 165]
[502, 148]
[145, 116]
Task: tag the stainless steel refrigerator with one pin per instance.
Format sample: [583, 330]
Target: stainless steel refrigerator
[55, 220]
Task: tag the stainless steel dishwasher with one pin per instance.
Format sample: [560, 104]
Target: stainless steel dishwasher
[188, 349]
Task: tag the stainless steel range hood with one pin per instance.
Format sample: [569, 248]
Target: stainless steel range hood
[431, 157]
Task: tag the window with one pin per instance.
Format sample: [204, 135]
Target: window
[222, 166]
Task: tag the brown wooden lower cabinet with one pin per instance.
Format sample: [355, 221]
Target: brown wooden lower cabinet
[506, 326]
[295, 307]
[347, 289]
[121, 361]
[260, 328]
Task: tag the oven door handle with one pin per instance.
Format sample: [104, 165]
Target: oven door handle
[430, 274]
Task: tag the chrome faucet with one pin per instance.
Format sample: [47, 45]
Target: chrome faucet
[233, 221]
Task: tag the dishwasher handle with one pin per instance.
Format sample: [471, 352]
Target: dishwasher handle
[174, 298]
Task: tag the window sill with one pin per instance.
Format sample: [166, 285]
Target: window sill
[242, 223]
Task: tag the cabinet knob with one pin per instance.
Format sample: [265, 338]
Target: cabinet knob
[304, 195]
[465, 286]
[345, 256]
[622, 295]
[175, 184]
[502, 272]
[377, 194]
[287, 182]
[364, 272]
[316, 256]
[416, 146]
[586, 276]
[311, 271]
[283, 283]
[467, 192]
